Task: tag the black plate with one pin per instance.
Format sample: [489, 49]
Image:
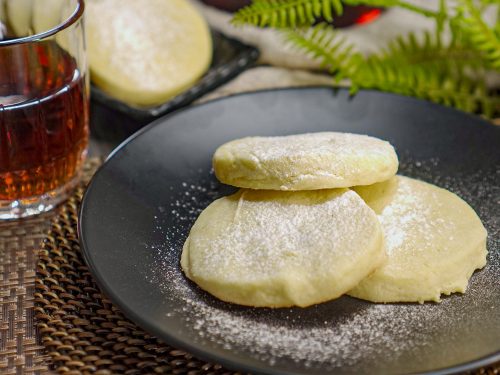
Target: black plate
[113, 119]
[141, 204]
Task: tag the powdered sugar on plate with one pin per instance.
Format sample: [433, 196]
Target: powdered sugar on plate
[346, 335]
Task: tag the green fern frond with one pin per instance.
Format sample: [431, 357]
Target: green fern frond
[458, 35]
[409, 66]
[292, 13]
[441, 19]
[484, 39]
[489, 2]
[423, 66]
[418, 81]
[450, 74]
[429, 51]
[287, 13]
[323, 44]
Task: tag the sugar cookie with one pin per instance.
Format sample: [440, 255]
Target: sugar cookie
[278, 249]
[146, 52]
[434, 242]
[305, 162]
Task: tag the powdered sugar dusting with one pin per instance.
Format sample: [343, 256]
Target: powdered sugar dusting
[305, 161]
[315, 144]
[290, 232]
[345, 335]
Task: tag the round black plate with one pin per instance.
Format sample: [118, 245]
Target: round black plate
[141, 204]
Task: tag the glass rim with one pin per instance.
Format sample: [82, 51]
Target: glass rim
[71, 20]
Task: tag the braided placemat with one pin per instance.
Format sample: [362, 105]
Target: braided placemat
[83, 332]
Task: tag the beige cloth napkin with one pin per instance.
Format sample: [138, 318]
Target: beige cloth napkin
[267, 77]
[277, 52]
[367, 38]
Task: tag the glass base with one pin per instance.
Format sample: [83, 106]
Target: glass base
[17, 209]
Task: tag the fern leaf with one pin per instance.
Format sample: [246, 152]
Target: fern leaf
[422, 66]
[489, 2]
[324, 45]
[429, 51]
[287, 13]
[458, 91]
[292, 13]
[483, 38]
[441, 19]
[449, 75]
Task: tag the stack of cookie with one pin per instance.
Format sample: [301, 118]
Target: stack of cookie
[321, 215]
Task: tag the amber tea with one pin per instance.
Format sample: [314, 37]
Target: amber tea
[43, 121]
[43, 104]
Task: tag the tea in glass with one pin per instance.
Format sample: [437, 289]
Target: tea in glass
[44, 100]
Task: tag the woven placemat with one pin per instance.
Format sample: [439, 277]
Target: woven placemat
[20, 350]
[83, 332]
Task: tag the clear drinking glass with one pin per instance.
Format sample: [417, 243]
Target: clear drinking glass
[44, 103]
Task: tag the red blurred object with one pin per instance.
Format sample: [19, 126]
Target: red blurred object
[369, 16]
[353, 15]
[356, 15]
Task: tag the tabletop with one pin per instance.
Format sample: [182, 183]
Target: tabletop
[21, 348]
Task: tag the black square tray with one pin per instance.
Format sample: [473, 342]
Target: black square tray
[114, 120]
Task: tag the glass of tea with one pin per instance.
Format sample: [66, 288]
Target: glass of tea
[44, 103]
